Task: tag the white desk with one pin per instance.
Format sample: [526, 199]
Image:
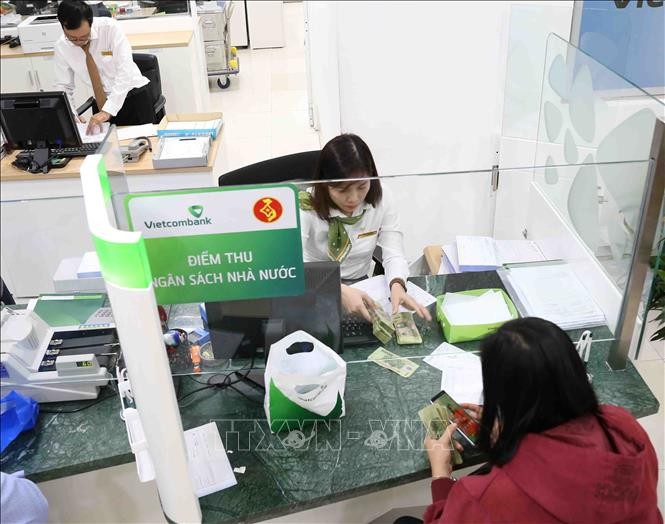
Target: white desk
[43, 216]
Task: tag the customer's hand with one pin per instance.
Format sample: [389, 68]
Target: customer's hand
[440, 451]
[399, 297]
[474, 410]
[96, 121]
[355, 302]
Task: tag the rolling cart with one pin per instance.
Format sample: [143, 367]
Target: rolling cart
[221, 58]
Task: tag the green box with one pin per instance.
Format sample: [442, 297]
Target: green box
[453, 333]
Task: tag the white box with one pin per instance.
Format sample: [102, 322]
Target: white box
[212, 26]
[215, 56]
[65, 280]
[39, 33]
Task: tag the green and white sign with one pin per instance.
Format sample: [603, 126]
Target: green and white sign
[221, 243]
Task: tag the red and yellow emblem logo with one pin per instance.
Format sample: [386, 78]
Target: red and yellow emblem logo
[268, 209]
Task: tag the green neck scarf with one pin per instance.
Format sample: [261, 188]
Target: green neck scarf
[339, 243]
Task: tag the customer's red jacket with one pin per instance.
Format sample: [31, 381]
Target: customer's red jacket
[589, 470]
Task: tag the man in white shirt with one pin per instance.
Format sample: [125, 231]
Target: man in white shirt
[99, 55]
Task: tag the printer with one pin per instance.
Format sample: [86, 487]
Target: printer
[39, 33]
[49, 365]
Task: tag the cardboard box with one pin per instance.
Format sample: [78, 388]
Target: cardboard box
[454, 333]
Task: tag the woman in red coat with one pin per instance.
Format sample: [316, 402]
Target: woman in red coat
[556, 455]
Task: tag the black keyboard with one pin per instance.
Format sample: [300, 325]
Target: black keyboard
[356, 332]
[84, 150]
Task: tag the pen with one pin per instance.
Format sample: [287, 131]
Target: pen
[192, 138]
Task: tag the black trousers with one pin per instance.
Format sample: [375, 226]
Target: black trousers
[137, 109]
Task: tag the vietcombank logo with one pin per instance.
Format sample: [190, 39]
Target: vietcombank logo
[196, 211]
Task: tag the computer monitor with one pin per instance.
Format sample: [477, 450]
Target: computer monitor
[247, 328]
[38, 120]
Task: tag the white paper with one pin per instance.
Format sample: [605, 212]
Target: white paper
[129, 132]
[97, 137]
[462, 376]
[377, 288]
[450, 252]
[209, 466]
[476, 252]
[190, 147]
[468, 310]
[89, 266]
[554, 292]
[516, 251]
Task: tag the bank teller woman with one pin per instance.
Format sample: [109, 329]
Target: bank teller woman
[346, 219]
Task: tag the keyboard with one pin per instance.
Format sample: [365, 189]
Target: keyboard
[84, 150]
[356, 332]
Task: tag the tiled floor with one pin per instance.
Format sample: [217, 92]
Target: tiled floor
[265, 108]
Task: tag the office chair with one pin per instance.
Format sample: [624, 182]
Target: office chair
[288, 168]
[149, 67]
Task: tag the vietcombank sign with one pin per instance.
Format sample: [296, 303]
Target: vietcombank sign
[221, 244]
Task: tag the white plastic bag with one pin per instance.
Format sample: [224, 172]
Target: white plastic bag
[305, 382]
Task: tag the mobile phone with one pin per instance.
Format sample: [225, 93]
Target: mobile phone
[468, 430]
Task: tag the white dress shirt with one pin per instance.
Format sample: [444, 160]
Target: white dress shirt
[379, 225]
[111, 52]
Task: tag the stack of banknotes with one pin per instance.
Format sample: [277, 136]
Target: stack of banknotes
[382, 326]
[436, 419]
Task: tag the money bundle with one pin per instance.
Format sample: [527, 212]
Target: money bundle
[400, 365]
[382, 326]
[405, 329]
[436, 419]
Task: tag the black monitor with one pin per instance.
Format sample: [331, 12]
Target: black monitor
[38, 120]
[247, 328]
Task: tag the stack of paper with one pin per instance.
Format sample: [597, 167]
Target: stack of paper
[89, 266]
[190, 147]
[462, 376]
[98, 135]
[377, 288]
[478, 253]
[554, 292]
[469, 310]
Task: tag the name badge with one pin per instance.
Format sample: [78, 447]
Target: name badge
[367, 234]
[107, 53]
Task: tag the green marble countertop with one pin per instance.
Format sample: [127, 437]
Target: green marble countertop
[375, 446]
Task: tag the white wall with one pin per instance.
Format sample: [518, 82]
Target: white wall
[321, 54]
[423, 84]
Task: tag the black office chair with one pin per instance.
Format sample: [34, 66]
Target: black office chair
[298, 166]
[149, 67]
[288, 168]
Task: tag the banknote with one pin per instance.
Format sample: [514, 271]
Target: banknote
[382, 325]
[405, 328]
[436, 418]
[400, 365]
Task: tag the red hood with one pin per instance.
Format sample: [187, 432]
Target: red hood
[610, 474]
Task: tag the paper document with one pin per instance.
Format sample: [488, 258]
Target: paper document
[377, 288]
[476, 253]
[209, 465]
[554, 292]
[89, 266]
[450, 254]
[97, 137]
[129, 132]
[516, 251]
[190, 147]
[468, 310]
[462, 376]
